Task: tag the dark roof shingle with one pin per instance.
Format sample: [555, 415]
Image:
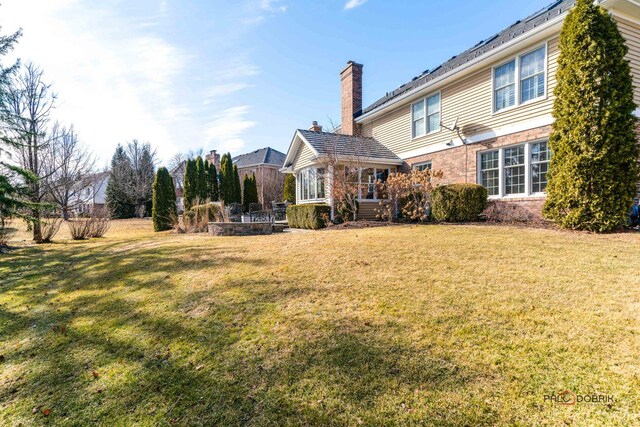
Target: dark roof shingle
[263, 156]
[330, 144]
[515, 30]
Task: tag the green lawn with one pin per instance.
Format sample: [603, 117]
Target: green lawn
[402, 325]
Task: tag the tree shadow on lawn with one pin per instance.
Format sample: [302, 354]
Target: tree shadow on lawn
[104, 356]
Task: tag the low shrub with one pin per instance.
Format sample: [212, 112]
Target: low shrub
[207, 213]
[96, 225]
[344, 211]
[311, 217]
[458, 202]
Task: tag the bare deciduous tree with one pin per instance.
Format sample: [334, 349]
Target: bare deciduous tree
[68, 165]
[26, 109]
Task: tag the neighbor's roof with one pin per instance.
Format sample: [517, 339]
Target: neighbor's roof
[263, 156]
[484, 46]
[328, 144]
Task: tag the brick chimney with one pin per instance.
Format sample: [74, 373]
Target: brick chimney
[351, 78]
[214, 158]
[315, 127]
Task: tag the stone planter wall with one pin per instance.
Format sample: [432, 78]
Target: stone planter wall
[240, 228]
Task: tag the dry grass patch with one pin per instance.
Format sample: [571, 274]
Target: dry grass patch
[404, 325]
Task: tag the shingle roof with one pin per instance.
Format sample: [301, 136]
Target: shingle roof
[263, 156]
[515, 30]
[329, 144]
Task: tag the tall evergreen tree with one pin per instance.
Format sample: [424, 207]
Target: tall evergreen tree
[237, 188]
[189, 186]
[164, 201]
[289, 192]
[201, 180]
[119, 203]
[212, 182]
[227, 189]
[594, 169]
[246, 191]
[253, 195]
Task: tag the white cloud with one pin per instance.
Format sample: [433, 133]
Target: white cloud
[119, 78]
[273, 6]
[226, 128]
[352, 4]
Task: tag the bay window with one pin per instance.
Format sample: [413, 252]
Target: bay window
[425, 116]
[312, 184]
[519, 170]
[530, 83]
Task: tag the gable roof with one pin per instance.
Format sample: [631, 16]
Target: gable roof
[263, 156]
[516, 30]
[325, 144]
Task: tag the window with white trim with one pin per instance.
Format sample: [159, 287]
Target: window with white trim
[312, 185]
[429, 107]
[532, 75]
[490, 172]
[422, 166]
[504, 86]
[540, 156]
[514, 170]
[519, 170]
[530, 83]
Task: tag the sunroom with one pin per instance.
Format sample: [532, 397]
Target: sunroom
[323, 161]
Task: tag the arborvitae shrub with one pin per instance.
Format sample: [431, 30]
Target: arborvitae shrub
[164, 201]
[593, 171]
[289, 188]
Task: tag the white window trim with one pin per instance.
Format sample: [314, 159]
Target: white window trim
[423, 101]
[311, 172]
[415, 166]
[502, 184]
[518, 80]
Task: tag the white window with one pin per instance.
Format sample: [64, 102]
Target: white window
[514, 170]
[519, 170]
[490, 172]
[418, 119]
[312, 184]
[420, 125]
[540, 155]
[530, 83]
[422, 166]
[504, 85]
[532, 75]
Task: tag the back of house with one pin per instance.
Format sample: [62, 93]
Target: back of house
[482, 117]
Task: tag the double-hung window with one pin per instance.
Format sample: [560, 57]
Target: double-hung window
[519, 170]
[520, 80]
[532, 75]
[514, 170]
[540, 156]
[490, 172]
[425, 116]
[504, 78]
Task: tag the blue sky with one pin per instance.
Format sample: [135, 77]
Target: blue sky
[233, 75]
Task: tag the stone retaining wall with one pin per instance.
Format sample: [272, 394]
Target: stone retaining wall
[240, 228]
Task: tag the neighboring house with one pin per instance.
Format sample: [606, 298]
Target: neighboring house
[91, 195]
[265, 163]
[482, 117]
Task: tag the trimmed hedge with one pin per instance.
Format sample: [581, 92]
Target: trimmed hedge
[307, 216]
[458, 202]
